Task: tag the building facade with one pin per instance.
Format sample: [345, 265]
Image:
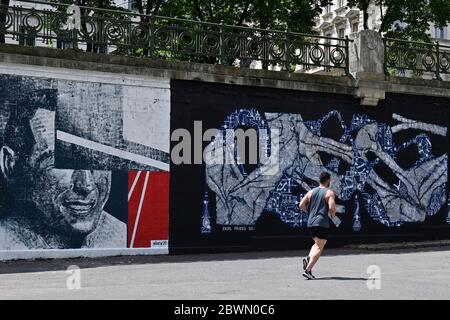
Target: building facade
[339, 20]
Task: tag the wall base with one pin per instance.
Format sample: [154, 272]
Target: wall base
[79, 253]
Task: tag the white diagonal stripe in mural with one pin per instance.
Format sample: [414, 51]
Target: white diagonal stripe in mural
[138, 215]
[136, 179]
[70, 138]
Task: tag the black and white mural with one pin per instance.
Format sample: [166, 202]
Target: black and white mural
[389, 165]
[66, 147]
[102, 125]
[44, 206]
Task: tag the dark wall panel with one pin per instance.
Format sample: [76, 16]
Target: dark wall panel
[388, 163]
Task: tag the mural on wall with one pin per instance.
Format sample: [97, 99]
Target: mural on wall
[148, 204]
[61, 179]
[241, 197]
[389, 166]
[112, 126]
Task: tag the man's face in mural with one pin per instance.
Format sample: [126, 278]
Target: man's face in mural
[67, 200]
[71, 200]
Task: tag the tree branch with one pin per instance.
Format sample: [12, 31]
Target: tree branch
[208, 8]
[199, 10]
[244, 14]
[385, 19]
[138, 4]
[157, 6]
[149, 7]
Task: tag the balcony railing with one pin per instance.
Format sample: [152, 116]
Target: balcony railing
[417, 58]
[122, 32]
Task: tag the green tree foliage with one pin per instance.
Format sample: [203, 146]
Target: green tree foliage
[407, 19]
[297, 15]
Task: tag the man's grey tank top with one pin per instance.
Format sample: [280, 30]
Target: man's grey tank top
[318, 209]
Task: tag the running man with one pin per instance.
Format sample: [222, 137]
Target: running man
[319, 203]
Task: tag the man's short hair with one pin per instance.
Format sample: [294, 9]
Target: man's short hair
[324, 177]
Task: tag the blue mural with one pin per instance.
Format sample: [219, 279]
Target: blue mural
[242, 197]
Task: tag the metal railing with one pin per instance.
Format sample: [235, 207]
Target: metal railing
[418, 58]
[123, 32]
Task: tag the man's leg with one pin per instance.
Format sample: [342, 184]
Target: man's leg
[315, 253]
[308, 257]
[313, 249]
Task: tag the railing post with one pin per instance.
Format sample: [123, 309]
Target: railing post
[287, 60]
[75, 39]
[385, 50]
[347, 58]
[367, 66]
[221, 51]
[3, 14]
[438, 62]
[151, 36]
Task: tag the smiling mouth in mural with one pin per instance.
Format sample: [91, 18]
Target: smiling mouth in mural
[79, 207]
[72, 205]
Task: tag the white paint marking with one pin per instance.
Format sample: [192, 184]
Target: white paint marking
[141, 201]
[134, 185]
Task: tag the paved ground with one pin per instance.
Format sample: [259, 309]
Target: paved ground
[342, 274]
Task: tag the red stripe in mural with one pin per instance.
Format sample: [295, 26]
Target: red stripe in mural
[148, 208]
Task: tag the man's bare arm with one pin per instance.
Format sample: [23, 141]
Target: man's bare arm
[304, 203]
[331, 204]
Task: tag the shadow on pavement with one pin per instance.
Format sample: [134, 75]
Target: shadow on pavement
[342, 278]
[45, 265]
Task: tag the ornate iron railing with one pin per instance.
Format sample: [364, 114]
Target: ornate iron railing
[123, 32]
[416, 57]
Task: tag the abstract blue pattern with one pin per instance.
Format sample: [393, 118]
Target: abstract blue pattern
[284, 203]
[242, 199]
[249, 118]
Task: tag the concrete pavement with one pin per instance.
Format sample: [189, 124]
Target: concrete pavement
[342, 274]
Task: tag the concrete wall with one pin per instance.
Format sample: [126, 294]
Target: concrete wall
[85, 155]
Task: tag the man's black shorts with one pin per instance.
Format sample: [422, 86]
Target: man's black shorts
[319, 232]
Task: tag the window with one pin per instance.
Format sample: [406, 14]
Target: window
[438, 33]
[355, 27]
[340, 3]
[328, 8]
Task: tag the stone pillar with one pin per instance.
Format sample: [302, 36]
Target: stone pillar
[366, 65]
